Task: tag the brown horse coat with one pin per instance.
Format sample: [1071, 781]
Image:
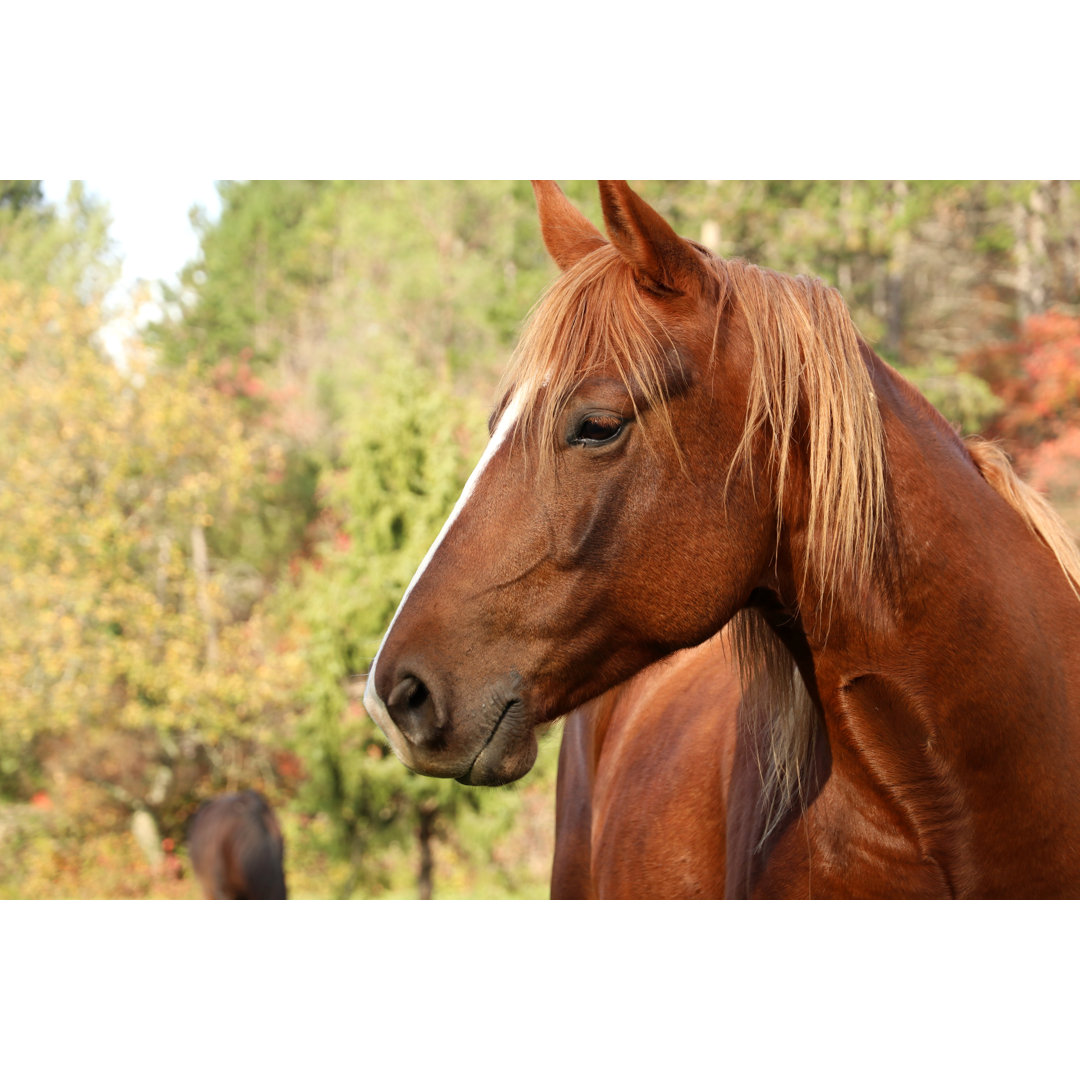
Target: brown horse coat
[237, 850]
[641, 796]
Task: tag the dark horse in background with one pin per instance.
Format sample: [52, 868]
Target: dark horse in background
[684, 442]
[237, 849]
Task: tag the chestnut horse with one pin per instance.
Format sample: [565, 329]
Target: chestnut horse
[684, 441]
[237, 850]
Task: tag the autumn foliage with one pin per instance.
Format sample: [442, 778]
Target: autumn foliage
[1037, 377]
[121, 654]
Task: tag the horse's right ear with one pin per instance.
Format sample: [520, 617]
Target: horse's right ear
[568, 233]
[662, 260]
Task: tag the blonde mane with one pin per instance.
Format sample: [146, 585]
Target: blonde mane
[1039, 516]
[809, 368]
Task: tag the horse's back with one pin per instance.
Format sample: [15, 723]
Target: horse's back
[641, 806]
[237, 849]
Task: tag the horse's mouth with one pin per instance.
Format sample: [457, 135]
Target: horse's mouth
[509, 750]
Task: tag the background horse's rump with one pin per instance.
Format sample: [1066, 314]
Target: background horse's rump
[237, 850]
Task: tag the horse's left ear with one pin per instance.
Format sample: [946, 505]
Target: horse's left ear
[661, 259]
[568, 233]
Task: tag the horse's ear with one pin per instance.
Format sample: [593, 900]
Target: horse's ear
[568, 233]
[661, 259]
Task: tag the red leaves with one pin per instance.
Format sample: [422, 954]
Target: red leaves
[234, 378]
[1037, 375]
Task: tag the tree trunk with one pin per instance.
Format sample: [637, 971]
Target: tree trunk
[1070, 254]
[425, 834]
[710, 235]
[1037, 207]
[357, 853]
[148, 837]
[1029, 225]
[201, 563]
[894, 280]
[843, 266]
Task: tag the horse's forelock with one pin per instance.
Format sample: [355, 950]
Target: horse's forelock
[591, 319]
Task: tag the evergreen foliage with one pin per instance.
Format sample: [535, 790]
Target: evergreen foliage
[67, 248]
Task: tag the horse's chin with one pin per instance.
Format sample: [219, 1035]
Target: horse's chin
[509, 752]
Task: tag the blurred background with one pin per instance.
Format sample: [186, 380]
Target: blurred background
[216, 483]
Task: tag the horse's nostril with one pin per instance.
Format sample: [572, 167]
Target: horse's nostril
[418, 695]
[410, 692]
[411, 706]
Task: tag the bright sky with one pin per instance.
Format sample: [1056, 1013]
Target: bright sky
[150, 220]
[152, 233]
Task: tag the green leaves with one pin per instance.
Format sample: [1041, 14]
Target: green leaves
[67, 248]
[329, 367]
[962, 397]
[405, 451]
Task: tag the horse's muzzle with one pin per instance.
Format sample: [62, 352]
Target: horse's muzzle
[486, 742]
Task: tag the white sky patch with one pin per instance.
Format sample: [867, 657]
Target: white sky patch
[152, 232]
[150, 225]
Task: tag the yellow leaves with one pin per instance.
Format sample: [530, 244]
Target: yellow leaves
[49, 307]
[102, 478]
[36, 324]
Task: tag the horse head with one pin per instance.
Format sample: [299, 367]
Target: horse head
[615, 516]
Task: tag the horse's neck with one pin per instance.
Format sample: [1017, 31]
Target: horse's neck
[596, 717]
[960, 574]
[951, 691]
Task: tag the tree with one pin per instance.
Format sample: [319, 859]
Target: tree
[381, 307]
[302, 272]
[403, 461]
[359, 329]
[40, 246]
[111, 487]
[17, 195]
[268, 248]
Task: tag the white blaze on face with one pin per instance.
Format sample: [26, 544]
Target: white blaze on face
[375, 706]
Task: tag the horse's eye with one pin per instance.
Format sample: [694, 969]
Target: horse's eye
[597, 429]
